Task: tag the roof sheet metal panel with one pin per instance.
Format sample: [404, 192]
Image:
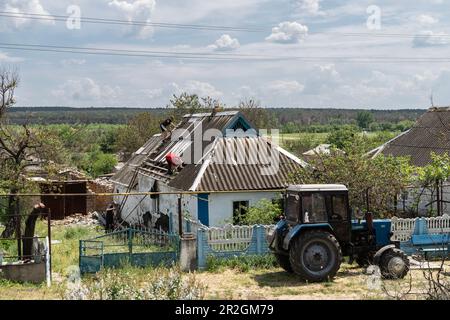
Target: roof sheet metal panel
[124, 175]
[229, 174]
[431, 133]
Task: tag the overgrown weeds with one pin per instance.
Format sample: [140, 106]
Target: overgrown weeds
[241, 263]
[156, 284]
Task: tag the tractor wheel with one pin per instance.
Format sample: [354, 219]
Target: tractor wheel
[283, 261]
[315, 256]
[394, 264]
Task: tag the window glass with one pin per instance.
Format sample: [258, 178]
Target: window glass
[339, 208]
[314, 208]
[292, 207]
[240, 209]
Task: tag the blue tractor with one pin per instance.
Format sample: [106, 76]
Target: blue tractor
[317, 231]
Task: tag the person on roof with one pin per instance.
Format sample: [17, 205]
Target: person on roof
[165, 126]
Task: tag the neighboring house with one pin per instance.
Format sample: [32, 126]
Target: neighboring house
[431, 133]
[227, 166]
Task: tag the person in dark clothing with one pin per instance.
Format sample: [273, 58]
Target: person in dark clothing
[110, 212]
[164, 126]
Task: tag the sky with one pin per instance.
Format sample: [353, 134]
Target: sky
[283, 53]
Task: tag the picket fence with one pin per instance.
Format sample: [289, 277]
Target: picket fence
[230, 241]
[403, 229]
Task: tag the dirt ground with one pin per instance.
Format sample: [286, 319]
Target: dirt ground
[351, 283]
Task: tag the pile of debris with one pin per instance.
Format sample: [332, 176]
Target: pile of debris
[90, 219]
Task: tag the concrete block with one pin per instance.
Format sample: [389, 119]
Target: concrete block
[26, 272]
[188, 252]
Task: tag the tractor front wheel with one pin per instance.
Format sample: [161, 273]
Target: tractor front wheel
[283, 261]
[394, 264]
[315, 256]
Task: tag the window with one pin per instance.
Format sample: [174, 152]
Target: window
[339, 207]
[314, 208]
[292, 207]
[240, 209]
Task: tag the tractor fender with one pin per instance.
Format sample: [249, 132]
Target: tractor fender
[301, 227]
[377, 256]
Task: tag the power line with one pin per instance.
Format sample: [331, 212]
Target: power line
[204, 56]
[64, 18]
[48, 17]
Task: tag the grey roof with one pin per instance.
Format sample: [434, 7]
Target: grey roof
[228, 164]
[246, 163]
[431, 133]
[150, 159]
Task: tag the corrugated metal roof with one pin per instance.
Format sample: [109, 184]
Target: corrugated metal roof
[431, 133]
[241, 164]
[238, 163]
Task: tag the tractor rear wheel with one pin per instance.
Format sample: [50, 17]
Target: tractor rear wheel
[315, 256]
[283, 261]
[394, 264]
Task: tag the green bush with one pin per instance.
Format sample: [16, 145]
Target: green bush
[264, 212]
[241, 263]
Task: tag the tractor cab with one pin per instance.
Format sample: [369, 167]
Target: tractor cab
[319, 205]
[317, 230]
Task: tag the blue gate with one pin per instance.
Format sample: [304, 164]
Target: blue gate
[133, 247]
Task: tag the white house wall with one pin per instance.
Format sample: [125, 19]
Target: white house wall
[168, 203]
[221, 204]
[425, 199]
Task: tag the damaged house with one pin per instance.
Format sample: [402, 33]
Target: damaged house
[431, 133]
[218, 158]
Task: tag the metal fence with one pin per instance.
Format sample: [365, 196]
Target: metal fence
[129, 246]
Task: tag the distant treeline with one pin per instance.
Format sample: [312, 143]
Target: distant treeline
[284, 116]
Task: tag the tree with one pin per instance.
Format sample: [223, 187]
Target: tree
[186, 104]
[138, 130]
[264, 212]
[431, 177]
[257, 115]
[382, 178]
[364, 119]
[96, 163]
[342, 136]
[20, 147]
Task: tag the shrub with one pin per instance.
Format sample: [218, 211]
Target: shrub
[264, 212]
[124, 284]
[241, 263]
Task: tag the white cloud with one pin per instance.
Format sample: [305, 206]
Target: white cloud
[6, 58]
[152, 93]
[430, 39]
[19, 7]
[197, 87]
[73, 62]
[225, 43]
[425, 19]
[309, 7]
[85, 89]
[285, 88]
[288, 32]
[323, 77]
[138, 10]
